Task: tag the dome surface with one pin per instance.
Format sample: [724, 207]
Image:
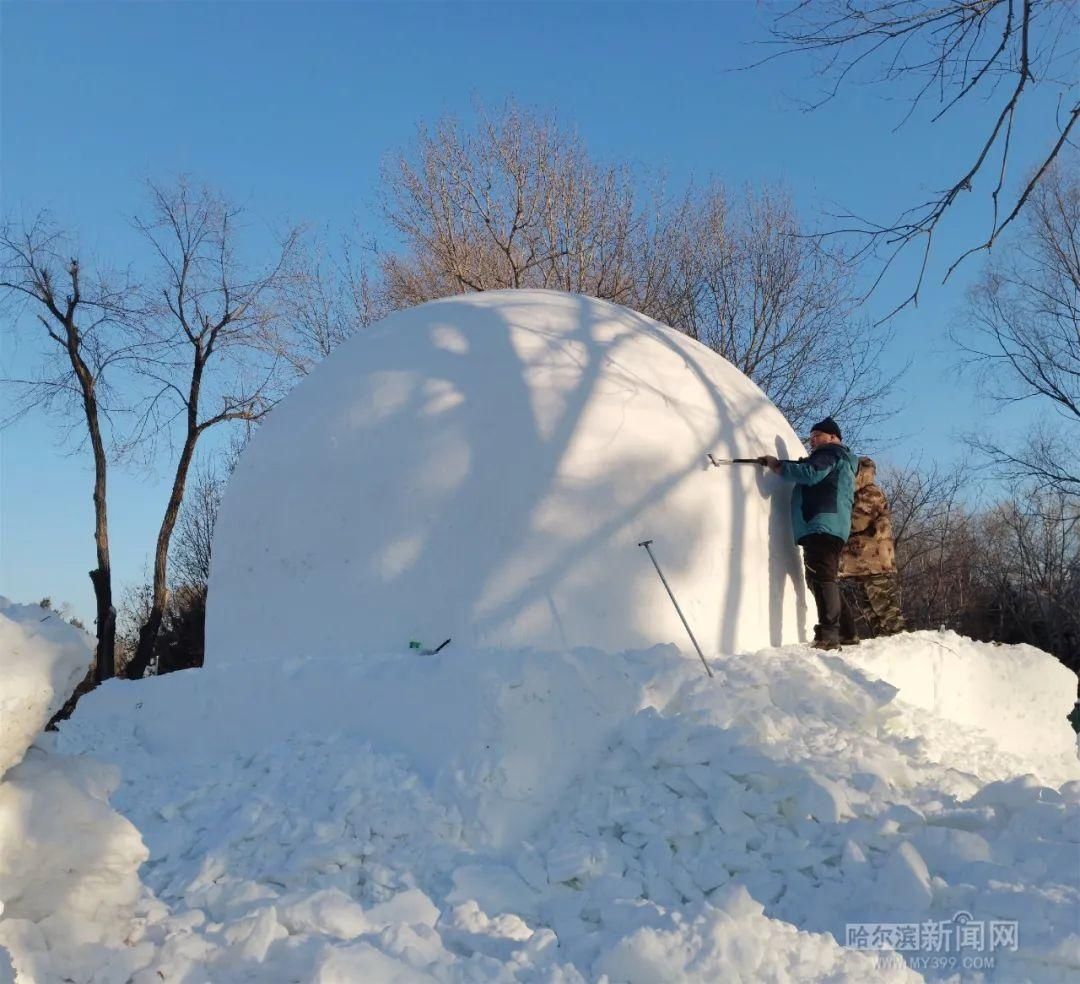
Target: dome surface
[483, 468]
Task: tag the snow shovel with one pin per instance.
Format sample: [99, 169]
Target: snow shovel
[686, 625]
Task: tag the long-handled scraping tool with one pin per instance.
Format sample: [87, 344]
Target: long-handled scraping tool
[733, 461]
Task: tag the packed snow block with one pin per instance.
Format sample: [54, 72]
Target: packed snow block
[69, 882]
[483, 468]
[42, 660]
[1018, 695]
[904, 882]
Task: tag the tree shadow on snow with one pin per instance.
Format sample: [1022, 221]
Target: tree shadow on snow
[437, 419]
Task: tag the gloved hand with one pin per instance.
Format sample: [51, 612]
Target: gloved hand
[773, 464]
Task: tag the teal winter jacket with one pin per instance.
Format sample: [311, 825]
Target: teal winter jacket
[824, 491]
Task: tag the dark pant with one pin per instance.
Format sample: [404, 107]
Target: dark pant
[821, 559]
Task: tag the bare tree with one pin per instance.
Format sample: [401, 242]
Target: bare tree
[951, 53]
[1008, 572]
[85, 319]
[194, 534]
[330, 297]
[1030, 572]
[180, 640]
[213, 327]
[936, 543]
[753, 286]
[1022, 329]
[520, 203]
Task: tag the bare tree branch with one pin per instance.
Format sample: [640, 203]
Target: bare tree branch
[963, 49]
[87, 317]
[330, 296]
[214, 331]
[520, 203]
[1021, 332]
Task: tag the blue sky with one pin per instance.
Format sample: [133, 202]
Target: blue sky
[292, 107]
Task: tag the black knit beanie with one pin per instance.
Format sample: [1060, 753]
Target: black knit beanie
[828, 426]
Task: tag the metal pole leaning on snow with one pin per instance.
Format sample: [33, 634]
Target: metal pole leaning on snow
[671, 595]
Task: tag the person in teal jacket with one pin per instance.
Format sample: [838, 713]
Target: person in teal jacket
[821, 518]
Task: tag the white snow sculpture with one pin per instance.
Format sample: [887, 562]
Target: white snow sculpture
[483, 468]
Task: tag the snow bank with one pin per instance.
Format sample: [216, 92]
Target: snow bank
[69, 863]
[1018, 694]
[518, 816]
[475, 727]
[42, 660]
[69, 871]
[482, 468]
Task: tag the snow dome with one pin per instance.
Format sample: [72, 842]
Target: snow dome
[482, 469]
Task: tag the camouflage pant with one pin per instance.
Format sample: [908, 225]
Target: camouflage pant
[874, 602]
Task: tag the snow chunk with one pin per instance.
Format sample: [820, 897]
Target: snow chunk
[42, 660]
[1015, 794]
[330, 911]
[66, 857]
[69, 885]
[411, 907]
[904, 883]
[737, 942]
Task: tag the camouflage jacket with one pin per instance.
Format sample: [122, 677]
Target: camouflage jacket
[870, 548]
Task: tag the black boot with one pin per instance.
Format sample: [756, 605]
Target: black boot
[830, 615]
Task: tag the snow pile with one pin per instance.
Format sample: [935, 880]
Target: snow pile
[1009, 691]
[42, 660]
[68, 862]
[69, 871]
[578, 816]
[476, 728]
[483, 468]
[731, 940]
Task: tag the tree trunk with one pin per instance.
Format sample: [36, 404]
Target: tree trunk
[88, 683]
[104, 665]
[105, 658]
[102, 575]
[148, 633]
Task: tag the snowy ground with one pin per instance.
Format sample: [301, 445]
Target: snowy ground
[585, 816]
